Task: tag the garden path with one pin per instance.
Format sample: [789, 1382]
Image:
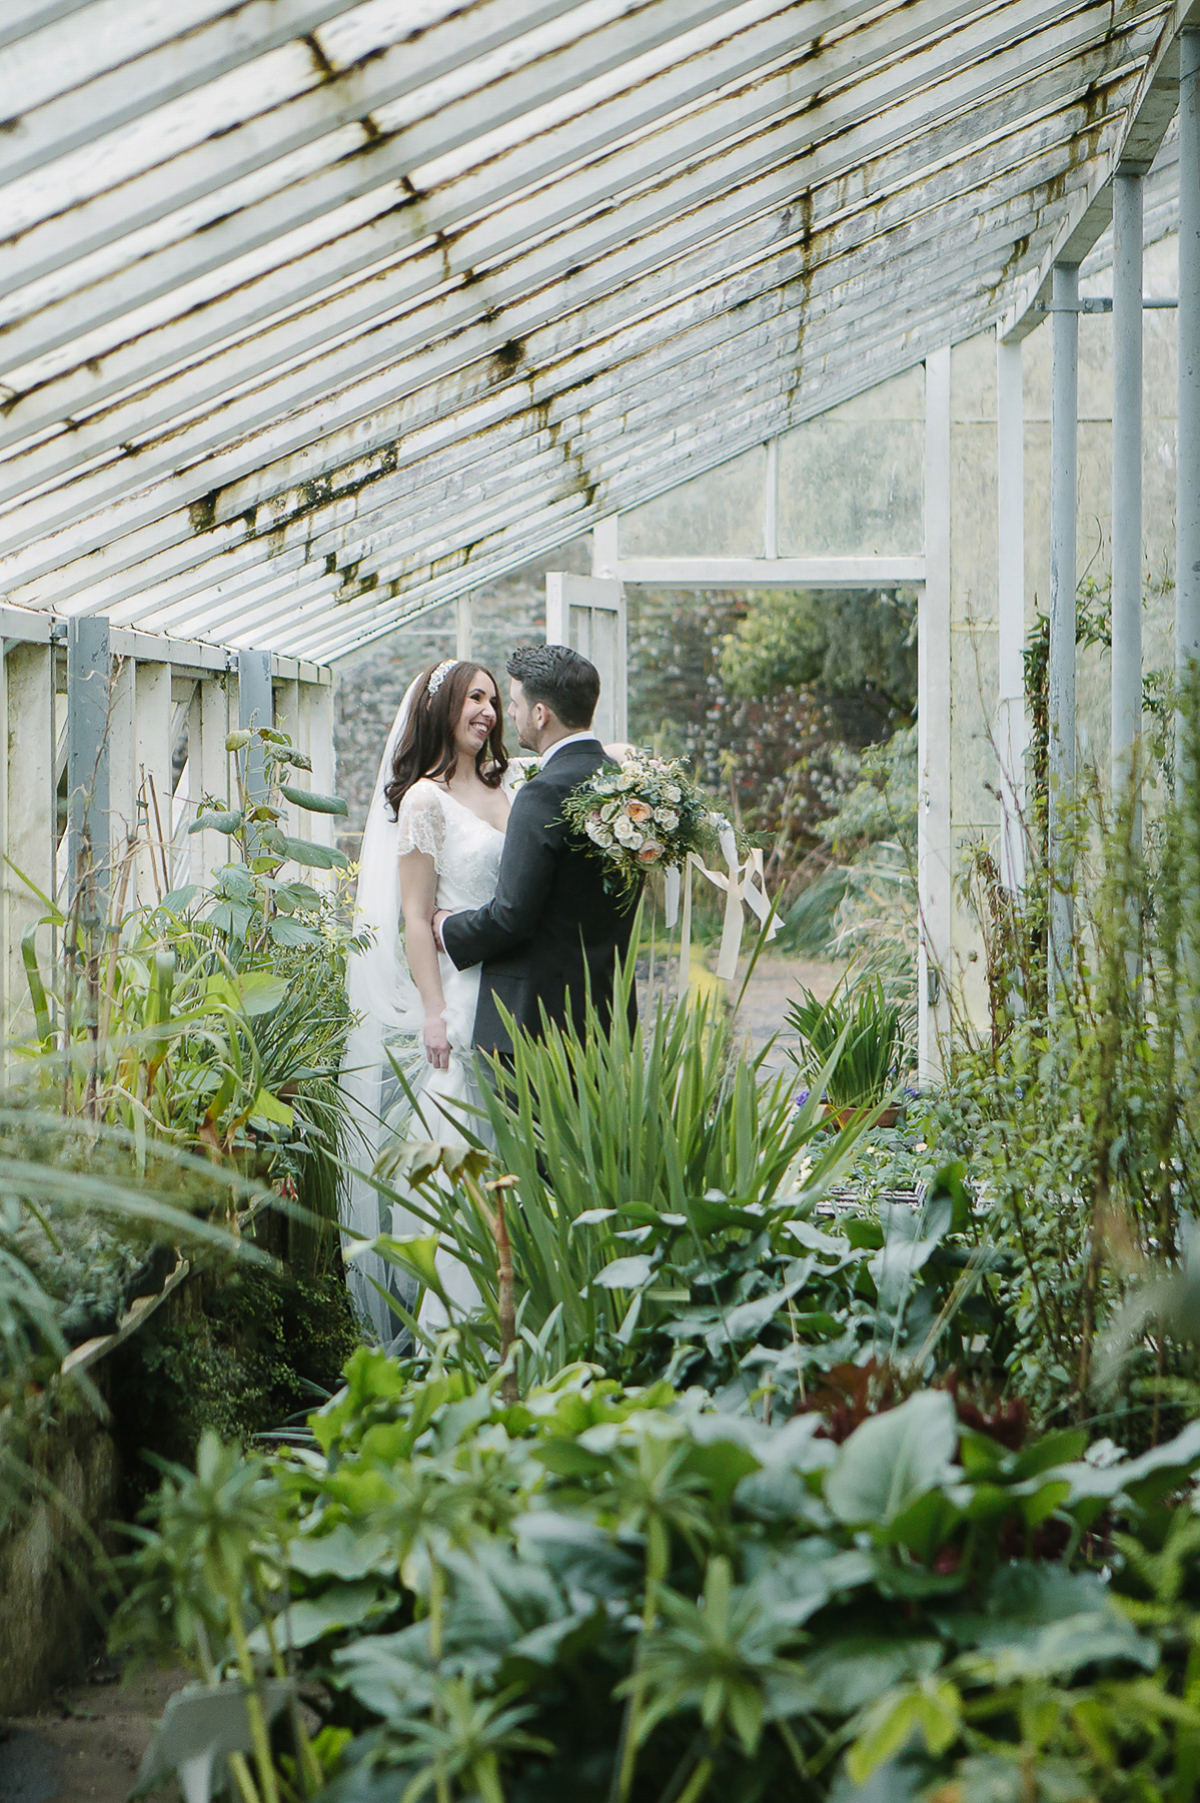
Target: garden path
[774, 982]
[87, 1745]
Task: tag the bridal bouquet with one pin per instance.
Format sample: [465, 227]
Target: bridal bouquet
[644, 813]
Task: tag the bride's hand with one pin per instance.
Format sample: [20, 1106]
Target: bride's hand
[437, 1043]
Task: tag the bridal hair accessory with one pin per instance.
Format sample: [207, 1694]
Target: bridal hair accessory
[439, 676]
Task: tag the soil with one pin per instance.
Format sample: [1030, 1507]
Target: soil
[87, 1745]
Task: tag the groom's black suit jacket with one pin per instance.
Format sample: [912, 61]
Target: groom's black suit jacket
[551, 929]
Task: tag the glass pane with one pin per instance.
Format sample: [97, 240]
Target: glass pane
[719, 514]
[852, 483]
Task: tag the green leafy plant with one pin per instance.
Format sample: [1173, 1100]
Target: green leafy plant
[865, 1037]
[649, 1165]
[216, 1019]
[82, 1234]
[607, 1592]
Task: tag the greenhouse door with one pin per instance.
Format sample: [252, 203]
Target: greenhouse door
[588, 613]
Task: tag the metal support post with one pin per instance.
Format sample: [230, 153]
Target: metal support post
[934, 723]
[1013, 726]
[464, 626]
[89, 667]
[256, 708]
[1126, 477]
[1187, 456]
[1064, 424]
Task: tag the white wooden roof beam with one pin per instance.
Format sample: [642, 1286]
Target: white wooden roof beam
[280, 403]
[389, 510]
[302, 91]
[675, 341]
[515, 484]
[51, 325]
[63, 88]
[21, 17]
[372, 185]
[1155, 108]
[86, 383]
[236, 501]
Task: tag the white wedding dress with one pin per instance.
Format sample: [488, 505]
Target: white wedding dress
[466, 855]
[389, 1026]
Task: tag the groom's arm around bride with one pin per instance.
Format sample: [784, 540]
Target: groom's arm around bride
[551, 934]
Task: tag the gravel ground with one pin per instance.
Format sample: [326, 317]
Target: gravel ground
[774, 983]
[87, 1745]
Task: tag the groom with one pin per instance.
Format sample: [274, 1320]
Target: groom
[551, 933]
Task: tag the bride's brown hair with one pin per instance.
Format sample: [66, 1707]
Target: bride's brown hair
[427, 747]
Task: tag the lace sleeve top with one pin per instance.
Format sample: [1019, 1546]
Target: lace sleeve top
[422, 824]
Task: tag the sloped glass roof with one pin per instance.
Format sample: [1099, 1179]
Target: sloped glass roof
[315, 315]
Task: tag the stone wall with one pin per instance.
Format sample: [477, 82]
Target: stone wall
[46, 1621]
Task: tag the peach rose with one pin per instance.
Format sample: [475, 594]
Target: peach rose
[638, 811]
[651, 852]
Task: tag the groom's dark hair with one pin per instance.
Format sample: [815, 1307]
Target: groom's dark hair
[564, 680]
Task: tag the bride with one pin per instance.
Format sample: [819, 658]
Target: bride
[433, 839]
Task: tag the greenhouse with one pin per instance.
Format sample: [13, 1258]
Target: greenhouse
[600, 889]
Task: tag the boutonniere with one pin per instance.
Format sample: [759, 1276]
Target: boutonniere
[525, 772]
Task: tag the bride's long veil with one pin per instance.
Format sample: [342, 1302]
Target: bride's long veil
[388, 1006]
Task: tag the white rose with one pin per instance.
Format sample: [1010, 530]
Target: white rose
[667, 818]
[625, 783]
[596, 831]
[636, 842]
[625, 830]
[673, 792]
[610, 810]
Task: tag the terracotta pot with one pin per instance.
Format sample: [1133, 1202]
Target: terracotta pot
[841, 1117]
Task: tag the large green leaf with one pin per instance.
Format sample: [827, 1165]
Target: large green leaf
[911, 1236]
[285, 931]
[892, 1459]
[217, 820]
[853, 1670]
[931, 1708]
[315, 804]
[625, 1273]
[303, 851]
[1044, 1621]
[268, 1107]
[346, 1552]
[389, 1674]
[310, 1618]
[261, 992]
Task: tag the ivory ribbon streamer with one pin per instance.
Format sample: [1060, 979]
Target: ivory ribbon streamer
[671, 897]
[744, 883]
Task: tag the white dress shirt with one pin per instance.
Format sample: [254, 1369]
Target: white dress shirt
[573, 738]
